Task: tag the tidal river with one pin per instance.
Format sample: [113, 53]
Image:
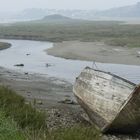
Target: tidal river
[35, 60]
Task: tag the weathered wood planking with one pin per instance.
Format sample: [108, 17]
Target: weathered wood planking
[107, 98]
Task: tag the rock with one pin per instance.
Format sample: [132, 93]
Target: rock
[85, 117]
[26, 73]
[61, 118]
[48, 65]
[67, 101]
[19, 65]
[28, 54]
[39, 102]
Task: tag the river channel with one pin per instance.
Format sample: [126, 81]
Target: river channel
[32, 54]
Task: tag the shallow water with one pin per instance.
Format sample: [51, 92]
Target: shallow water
[61, 68]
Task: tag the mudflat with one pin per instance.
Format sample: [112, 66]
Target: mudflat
[49, 94]
[96, 51]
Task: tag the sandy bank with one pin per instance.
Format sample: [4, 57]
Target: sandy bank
[96, 51]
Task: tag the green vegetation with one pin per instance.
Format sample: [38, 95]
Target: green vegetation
[4, 45]
[56, 17]
[9, 129]
[25, 115]
[28, 119]
[21, 121]
[111, 32]
[75, 133]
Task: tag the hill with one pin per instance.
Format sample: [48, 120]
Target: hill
[56, 17]
[126, 13]
[132, 11]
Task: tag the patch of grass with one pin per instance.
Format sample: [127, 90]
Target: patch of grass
[32, 122]
[75, 133]
[25, 115]
[9, 129]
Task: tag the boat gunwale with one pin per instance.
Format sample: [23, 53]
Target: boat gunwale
[114, 75]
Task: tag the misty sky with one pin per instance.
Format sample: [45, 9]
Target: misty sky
[17, 5]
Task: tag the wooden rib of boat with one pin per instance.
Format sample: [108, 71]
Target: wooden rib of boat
[111, 102]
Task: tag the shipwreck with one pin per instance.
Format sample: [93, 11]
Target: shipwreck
[111, 102]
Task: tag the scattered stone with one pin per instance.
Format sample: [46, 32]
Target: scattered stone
[19, 65]
[28, 54]
[60, 118]
[48, 65]
[68, 101]
[39, 102]
[67, 96]
[85, 117]
[26, 73]
[138, 54]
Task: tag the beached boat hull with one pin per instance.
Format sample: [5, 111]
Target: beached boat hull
[111, 102]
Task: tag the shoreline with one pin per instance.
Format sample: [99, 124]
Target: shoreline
[47, 93]
[4, 45]
[95, 51]
[90, 51]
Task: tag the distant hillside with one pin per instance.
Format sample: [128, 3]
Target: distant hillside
[36, 13]
[56, 17]
[132, 11]
[120, 13]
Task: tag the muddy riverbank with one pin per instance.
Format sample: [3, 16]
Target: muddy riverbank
[50, 94]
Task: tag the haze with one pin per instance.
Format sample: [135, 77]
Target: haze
[18, 5]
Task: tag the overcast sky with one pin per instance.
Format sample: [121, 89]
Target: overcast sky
[17, 5]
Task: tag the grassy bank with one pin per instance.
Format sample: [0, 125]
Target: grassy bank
[110, 32]
[4, 45]
[75, 133]
[21, 121]
[24, 114]
[27, 118]
[9, 128]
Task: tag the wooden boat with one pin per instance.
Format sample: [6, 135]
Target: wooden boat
[111, 102]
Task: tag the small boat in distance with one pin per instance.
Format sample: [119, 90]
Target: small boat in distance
[111, 102]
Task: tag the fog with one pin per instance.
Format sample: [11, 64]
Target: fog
[18, 5]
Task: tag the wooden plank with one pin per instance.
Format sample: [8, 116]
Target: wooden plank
[102, 94]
